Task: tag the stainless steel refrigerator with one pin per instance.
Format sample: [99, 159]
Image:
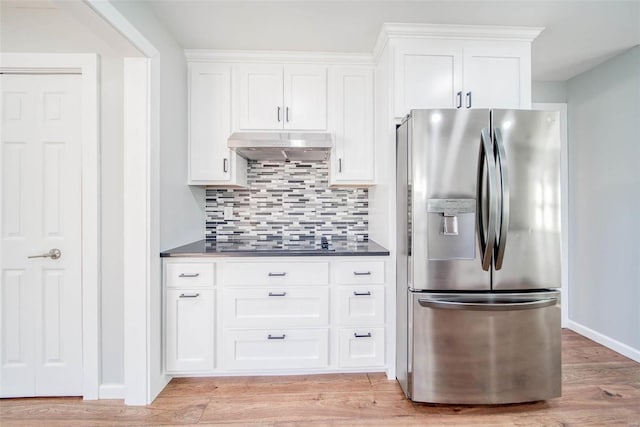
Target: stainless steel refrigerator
[478, 256]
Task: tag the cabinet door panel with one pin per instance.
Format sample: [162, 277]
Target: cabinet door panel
[353, 158]
[189, 330]
[305, 97]
[189, 274]
[209, 122]
[361, 347]
[275, 349]
[427, 77]
[276, 307]
[497, 78]
[275, 273]
[361, 305]
[260, 97]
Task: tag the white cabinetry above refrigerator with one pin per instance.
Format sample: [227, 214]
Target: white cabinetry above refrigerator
[460, 67]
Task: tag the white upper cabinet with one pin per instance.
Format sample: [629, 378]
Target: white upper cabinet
[260, 96]
[351, 119]
[272, 97]
[433, 73]
[210, 161]
[428, 75]
[496, 77]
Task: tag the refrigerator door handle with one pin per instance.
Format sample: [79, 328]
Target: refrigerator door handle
[486, 157]
[489, 306]
[501, 161]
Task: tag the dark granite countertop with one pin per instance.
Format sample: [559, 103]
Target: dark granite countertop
[277, 247]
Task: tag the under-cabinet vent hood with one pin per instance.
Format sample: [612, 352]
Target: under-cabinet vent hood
[281, 146]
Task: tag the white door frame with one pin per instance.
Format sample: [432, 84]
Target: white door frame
[87, 66]
[143, 376]
[564, 203]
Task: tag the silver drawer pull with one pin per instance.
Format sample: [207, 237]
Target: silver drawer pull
[276, 337]
[357, 335]
[362, 294]
[277, 294]
[362, 273]
[189, 275]
[277, 274]
[189, 295]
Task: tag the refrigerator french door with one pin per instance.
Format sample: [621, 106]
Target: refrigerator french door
[478, 256]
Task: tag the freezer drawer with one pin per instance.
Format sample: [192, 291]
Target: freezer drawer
[484, 348]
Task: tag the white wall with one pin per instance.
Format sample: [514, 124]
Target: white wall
[52, 29]
[181, 207]
[604, 202]
[548, 92]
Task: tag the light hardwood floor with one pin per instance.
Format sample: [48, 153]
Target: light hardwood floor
[600, 387]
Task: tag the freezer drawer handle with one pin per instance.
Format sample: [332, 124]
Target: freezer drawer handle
[189, 275]
[362, 273]
[497, 306]
[357, 335]
[362, 294]
[276, 337]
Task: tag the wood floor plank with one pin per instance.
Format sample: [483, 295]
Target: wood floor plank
[600, 388]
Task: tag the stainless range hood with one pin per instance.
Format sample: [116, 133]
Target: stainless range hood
[281, 146]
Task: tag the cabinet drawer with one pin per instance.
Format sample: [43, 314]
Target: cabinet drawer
[360, 272]
[361, 305]
[276, 307]
[361, 347]
[275, 349]
[189, 274]
[276, 273]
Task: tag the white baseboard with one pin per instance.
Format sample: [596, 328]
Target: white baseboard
[617, 346]
[111, 391]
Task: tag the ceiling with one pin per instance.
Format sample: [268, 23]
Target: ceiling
[578, 34]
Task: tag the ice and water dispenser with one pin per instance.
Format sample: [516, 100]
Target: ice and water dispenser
[451, 229]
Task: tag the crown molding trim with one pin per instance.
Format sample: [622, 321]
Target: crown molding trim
[456, 32]
[278, 57]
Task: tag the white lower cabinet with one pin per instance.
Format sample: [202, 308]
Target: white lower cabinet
[360, 305]
[321, 314]
[190, 331]
[361, 347]
[275, 349]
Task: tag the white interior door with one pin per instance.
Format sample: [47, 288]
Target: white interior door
[40, 298]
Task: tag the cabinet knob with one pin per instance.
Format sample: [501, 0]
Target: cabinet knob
[468, 99]
[286, 114]
[459, 99]
[189, 274]
[278, 114]
[339, 165]
[225, 165]
[271, 274]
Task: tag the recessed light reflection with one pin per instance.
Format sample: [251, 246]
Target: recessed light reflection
[436, 118]
[507, 124]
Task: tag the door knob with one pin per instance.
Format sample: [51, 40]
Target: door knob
[53, 254]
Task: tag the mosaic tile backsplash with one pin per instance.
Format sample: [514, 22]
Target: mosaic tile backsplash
[291, 200]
